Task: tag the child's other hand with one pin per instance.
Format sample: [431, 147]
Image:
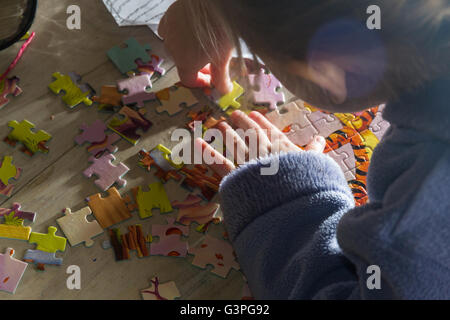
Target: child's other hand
[270, 140]
[194, 65]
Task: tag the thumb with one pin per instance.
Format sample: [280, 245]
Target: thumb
[220, 74]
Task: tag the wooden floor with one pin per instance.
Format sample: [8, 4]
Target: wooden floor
[50, 182]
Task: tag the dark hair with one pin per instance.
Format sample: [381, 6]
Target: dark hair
[414, 34]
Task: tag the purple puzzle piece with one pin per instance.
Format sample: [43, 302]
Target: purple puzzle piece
[84, 87]
[136, 89]
[151, 67]
[97, 148]
[169, 243]
[11, 271]
[269, 87]
[18, 213]
[9, 87]
[107, 172]
[93, 133]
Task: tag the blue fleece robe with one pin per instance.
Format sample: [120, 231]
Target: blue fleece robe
[298, 235]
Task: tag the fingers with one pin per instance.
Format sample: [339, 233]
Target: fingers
[194, 79]
[220, 75]
[221, 165]
[236, 149]
[318, 144]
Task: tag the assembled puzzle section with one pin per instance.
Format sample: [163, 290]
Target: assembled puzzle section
[110, 210]
[161, 291]
[124, 243]
[77, 228]
[32, 141]
[74, 92]
[11, 271]
[8, 171]
[8, 87]
[216, 253]
[125, 58]
[107, 172]
[129, 123]
[171, 99]
[170, 243]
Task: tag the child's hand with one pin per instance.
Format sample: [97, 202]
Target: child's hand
[270, 141]
[194, 65]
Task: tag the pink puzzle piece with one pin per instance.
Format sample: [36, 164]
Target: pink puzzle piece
[97, 148]
[8, 87]
[169, 243]
[217, 253]
[11, 271]
[268, 89]
[107, 172]
[92, 133]
[190, 210]
[136, 87]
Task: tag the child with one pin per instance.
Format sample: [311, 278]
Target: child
[297, 234]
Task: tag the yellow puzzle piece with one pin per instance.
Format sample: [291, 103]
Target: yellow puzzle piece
[155, 198]
[230, 99]
[48, 242]
[74, 95]
[7, 170]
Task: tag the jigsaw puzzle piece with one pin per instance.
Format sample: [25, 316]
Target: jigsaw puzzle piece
[8, 87]
[151, 67]
[109, 95]
[190, 210]
[77, 228]
[288, 115]
[48, 242]
[16, 208]
[171, 99]
[73, 94]
[379, 126]
[169, 243]
[230, 99]
[11, 271]
[136, 90]
[197, 177]
[161, 291]
[217, 253]
[133, 240]
[97, 148]
[131, 122]
[268, 89]
[125, 58]
[8, 171]
[156, 197]
[160, 158]
[110, 210]
[84, 87]
[41, 258]
[92, 133]
[107, 172]
[32, 141]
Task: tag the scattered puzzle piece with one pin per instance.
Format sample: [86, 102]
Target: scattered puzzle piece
[169, 243]
[48, 242]
[8, 87]
[8, 171]
[92, 133]
[16, 208]
[268, 89]
[190, 210]
[197, 177]
[41, 258]
[11, 271]
[164, 291]
[172, 98]
[137, 90]
[97, 148]
[156, 197]
[151, 67]
[13, 228]
[110, 210]
[230, 99]
[107, 172]
[160, 158]
[217, 253]
[33, 142]
[131, 122]
[110, 96]
[77, 228]
[133, 240]
[125, 58]
[73, 94]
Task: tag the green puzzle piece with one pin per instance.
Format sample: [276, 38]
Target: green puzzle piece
[73, 94]
[7, 170]
[48, 242]
[155, 198]
[22, 132]
[125, 58]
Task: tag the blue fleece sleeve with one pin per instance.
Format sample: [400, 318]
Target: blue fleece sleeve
[283, 226]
